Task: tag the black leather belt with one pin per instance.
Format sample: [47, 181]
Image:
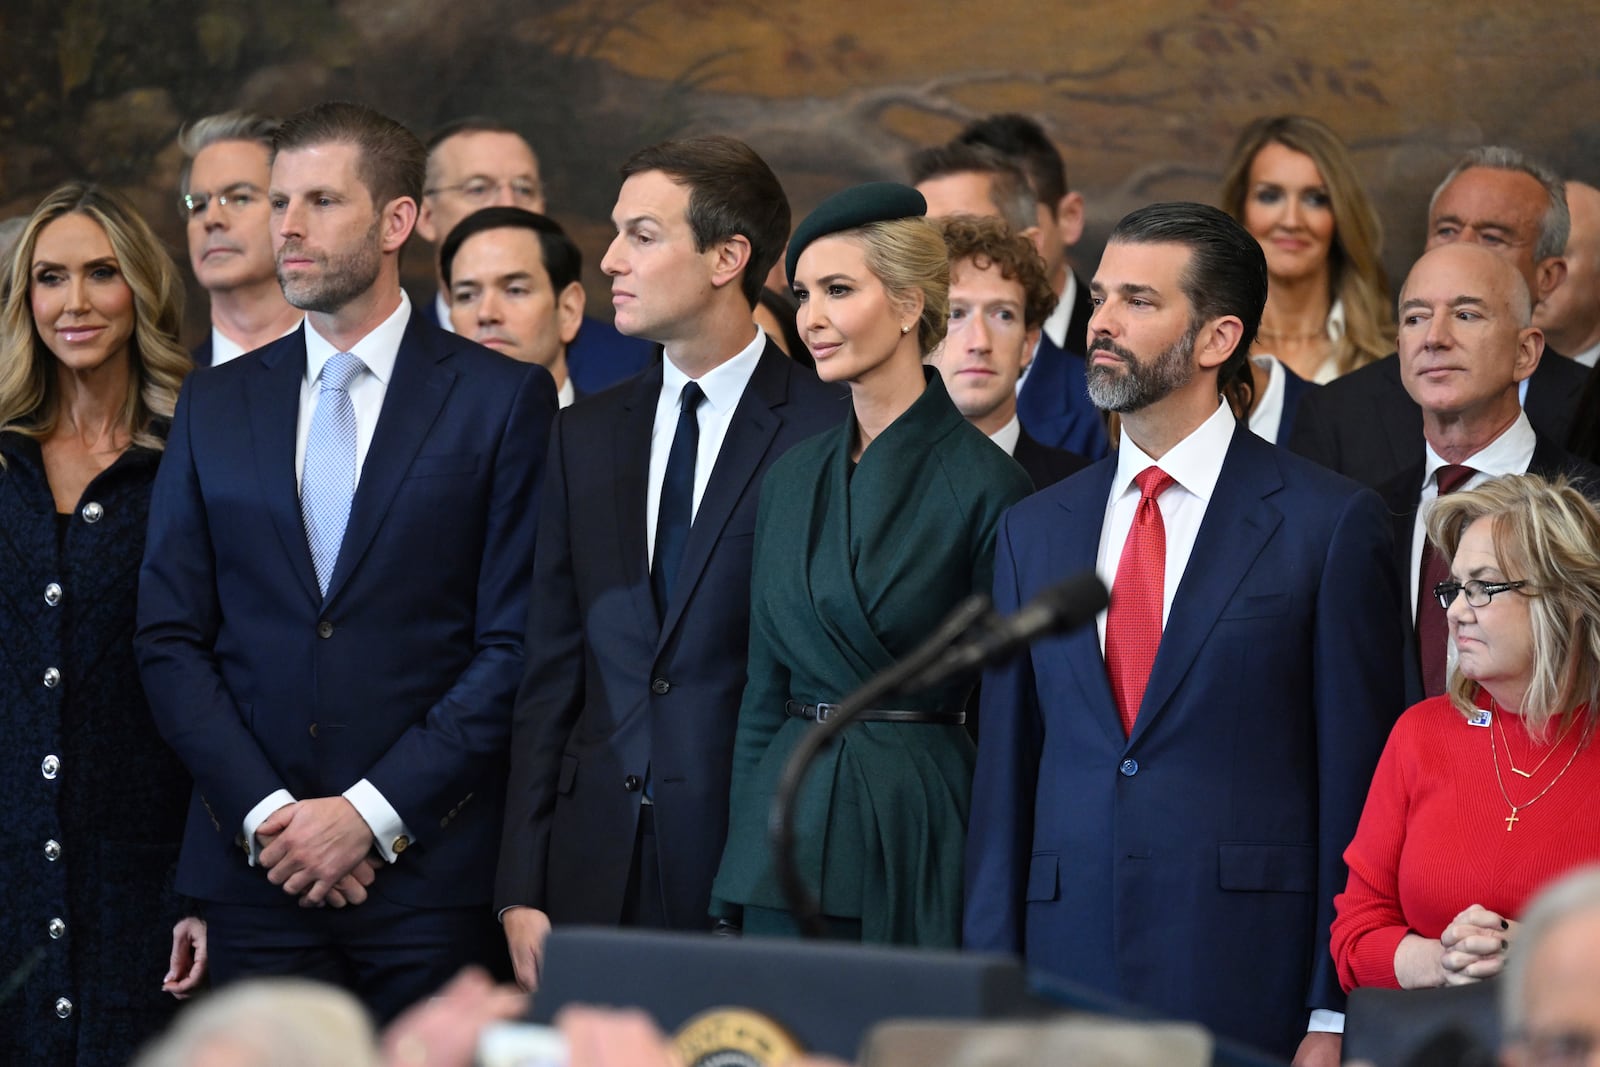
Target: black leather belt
[822, 712]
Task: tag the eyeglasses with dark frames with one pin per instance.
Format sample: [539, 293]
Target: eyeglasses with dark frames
[1478, 593]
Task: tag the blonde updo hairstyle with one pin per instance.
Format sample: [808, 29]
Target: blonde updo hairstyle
[908, 255]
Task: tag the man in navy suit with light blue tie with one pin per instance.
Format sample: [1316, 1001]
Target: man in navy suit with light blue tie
[334, 597]
[1166, 798]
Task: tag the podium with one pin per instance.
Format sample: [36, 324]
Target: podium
[824, 994]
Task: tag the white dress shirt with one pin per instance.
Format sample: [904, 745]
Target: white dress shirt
[1510, 453]
[378, 351]
[723, 386]
[1194, 464]
[224, 348]
[566, 394]
[1588, 357]
[1008, 435]
[1267, 416]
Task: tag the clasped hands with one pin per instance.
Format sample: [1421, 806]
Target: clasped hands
[1474, 945]
[320, 851]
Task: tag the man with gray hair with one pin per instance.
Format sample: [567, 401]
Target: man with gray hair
[1550, 991]
[1570, 317]
[223, 201]
[1366, 425]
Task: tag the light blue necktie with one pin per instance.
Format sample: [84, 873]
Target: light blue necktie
[328, 479]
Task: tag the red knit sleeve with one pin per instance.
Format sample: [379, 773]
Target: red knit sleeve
[1368, 923]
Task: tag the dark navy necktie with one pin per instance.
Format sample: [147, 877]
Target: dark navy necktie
[676, 509]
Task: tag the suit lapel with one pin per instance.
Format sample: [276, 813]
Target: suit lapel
[1401, 422]
[1237, 524]
[410, 404]
[1079, 541]
[631, 461]
[749, 436]
[272, 399]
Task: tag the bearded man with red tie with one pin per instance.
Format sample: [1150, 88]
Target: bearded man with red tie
[1166, 798]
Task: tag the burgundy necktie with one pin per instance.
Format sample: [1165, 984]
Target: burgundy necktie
[1133, 622]
[1433, 630]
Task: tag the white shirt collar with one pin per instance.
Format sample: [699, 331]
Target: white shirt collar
[724, 384]
[1008, 435]
[566, 394]
[1194, 463]
[1055, 327]
[1589, 356]
[1267, 415]
[224, 348]
[378, 350]
[441, 309]
[1510, 453]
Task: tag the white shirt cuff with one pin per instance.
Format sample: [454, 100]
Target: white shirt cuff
[258, 815]
[1326, 1021]
[388, 829]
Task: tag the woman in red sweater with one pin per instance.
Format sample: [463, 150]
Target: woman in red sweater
[1486, 793]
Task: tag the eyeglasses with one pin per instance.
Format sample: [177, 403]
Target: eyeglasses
[1561, 1048]
[480, 191]
[193, 205]
[1478, 593]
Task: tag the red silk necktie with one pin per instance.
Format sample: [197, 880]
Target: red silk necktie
[1133, 622]
[1433, 629]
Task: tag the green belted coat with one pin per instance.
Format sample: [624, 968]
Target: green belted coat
[855, 564]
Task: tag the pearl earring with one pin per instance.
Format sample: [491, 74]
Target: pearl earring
[904, 330]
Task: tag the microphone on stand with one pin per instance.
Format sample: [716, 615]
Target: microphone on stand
[969, 637]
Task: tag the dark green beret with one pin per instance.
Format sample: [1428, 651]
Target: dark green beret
[852, 207]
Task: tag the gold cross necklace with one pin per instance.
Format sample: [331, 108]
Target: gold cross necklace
[1494, 754]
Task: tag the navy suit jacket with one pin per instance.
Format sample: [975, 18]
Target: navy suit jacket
[1191, 867]
[1366, 426]
[1403, 495]
[404, 673]
[613, 692]
[1295, 389]
[1054, 403]
[201, 353]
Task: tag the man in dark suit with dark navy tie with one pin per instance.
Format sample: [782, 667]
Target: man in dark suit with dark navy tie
[622, 747]
[1165, 797]
[480, 162]
[1365, 425]
[334, 596]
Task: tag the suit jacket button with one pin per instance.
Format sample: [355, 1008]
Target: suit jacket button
[660, 686]
[324, 629]
[57, 928]
[63, 1007]
[92, 512]
[313, 730]
[50, 766]
[52, 594]
[631, 783]
[1129, 768]
[52, 850]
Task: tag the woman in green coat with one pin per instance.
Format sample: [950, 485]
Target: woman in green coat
[866, 538]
